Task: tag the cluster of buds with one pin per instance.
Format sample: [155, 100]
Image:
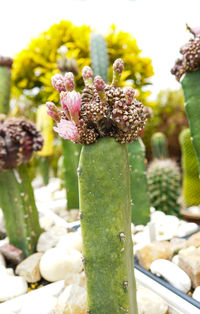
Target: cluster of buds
[190, 60]
[102, 110]
[19, 138]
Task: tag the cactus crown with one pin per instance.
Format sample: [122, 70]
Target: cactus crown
[6, 61]
[190, 56]
[18, 140]
[102, 110]
[164, 185]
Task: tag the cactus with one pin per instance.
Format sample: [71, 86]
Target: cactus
[44, 124]
[159, 145]
[18, 139]
[5, 83]
[191, 181]
[139, 187]
[104, 118]
[71, 153]
[187, 70]
[99, 56]
[164, 185]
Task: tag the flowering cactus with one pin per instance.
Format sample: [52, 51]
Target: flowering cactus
[18, 140]
[106, 117]
[187, 70]
[5, 79]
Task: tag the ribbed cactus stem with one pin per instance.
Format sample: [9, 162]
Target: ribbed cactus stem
[159, 145]
[5, 85]
[99, 56]
[191, 88]
[20, 212]
[105, 204]
[139, 186]
[191, 180]
[71, 153]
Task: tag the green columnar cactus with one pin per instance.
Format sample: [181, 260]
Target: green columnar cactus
[191, 181]
[159, 145]
[5, 83]
[164, 185]
[187, 70]
[104, 118]
[44, 124]
[99, 56]
[105, 224]
[18, 139]
[139, 187]
[71, 153]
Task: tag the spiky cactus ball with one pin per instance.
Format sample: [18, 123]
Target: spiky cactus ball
[101, 111]
[164, 185]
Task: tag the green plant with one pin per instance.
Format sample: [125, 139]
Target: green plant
[164, 185]
[99, 56]
[5, 83]
[159, 145]
[191, 181]
[139, 187]
[189, 66]
[104, 118]
[18, 139]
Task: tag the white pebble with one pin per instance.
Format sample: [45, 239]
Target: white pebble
[12, 286]
[196, 294]
[71, 240]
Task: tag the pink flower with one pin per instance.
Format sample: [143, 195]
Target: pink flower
[53, 111]
[67, 130]
[58, 82]
[69, 81]
[71, 104]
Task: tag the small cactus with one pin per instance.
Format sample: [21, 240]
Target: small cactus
[5, 83]
[18, 140]
[191, 181]
[164, 185]
[159, 145]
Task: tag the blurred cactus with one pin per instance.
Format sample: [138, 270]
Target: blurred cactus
[5, 83]
[45, 125]
[99, 56]
[18, 140]
[139, 187]
[164, 185]
[159, 145]
[191, 181]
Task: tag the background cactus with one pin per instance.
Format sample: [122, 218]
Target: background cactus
[191, 181]
[5, 83]
[159, 145]
[105, 224]
[44, 124]
[164, 185]
[139, 186]
[18, 139]
[99, 56]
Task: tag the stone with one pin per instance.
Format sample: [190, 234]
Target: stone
[177, 244]
[12, 254]
[29, 268]
[186, 228]
[72, 300]
[71, 240]
[149, 302]
[153, 251]
[12, 286]
[189, 261]
[175, 259]
[194, 240]
[49, 239]
[6, 271]
[2, 260]
[56, 263]
[46, 223]
[40, 304]
[196, 294]
[78, 279]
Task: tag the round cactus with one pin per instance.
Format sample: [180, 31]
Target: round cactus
[164, 185]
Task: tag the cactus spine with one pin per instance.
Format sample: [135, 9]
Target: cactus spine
[44, 124]
[164, 185]
[159, 145]
[139, 187]
[71, 153]
[20, 212]
[105, 222]
[99, 56]
[191, 181]
[5, 84]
